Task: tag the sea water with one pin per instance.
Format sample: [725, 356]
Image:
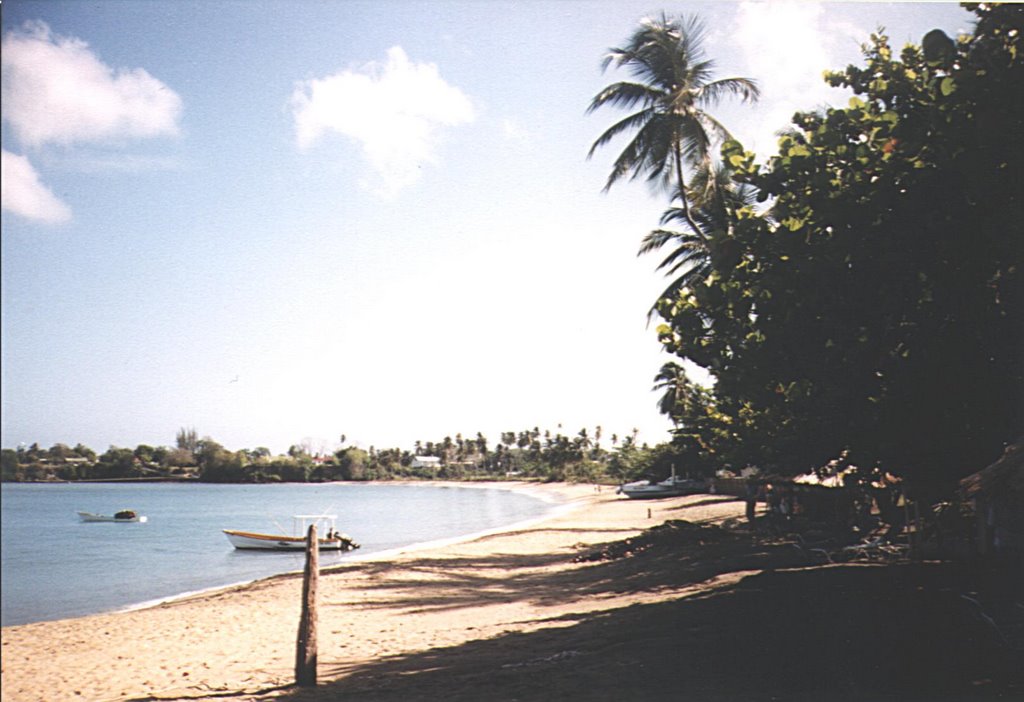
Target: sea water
[55, 566]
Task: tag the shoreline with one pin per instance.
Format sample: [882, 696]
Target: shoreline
[612, 599]
[548, 497]
[375, 607]
[557, 498]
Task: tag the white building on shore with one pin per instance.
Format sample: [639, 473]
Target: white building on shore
[426, 462]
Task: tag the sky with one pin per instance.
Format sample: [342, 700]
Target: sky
[282, 222]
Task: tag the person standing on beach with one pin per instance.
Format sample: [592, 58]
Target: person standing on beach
[751, 499]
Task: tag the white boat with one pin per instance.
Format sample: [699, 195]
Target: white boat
[673, 486]
[125, 515]
[328, 537]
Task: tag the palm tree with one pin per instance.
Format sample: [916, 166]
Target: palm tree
[673, 381]
[695, 253]
[674, 131]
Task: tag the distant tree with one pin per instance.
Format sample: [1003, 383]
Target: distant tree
[30, 454]
[525, 438]
[187, 439]
[626, 462]
[59, 452]
[217, 464]
[159, 455]
[290, 470]
[9, 465]
[83, 451]
[117, 463]
[179, 458]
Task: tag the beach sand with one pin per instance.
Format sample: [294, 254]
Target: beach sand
[560, 609]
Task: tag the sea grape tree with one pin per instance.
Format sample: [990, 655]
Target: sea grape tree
[873, 302]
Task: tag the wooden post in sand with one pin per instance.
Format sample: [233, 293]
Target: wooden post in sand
[305, 652]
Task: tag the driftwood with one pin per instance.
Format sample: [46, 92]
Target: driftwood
[305, 650]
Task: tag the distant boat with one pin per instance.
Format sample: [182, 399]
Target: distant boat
[673, 486]
[125, 515]
[331, 539]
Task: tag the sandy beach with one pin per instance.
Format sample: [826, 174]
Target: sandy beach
[567, 608]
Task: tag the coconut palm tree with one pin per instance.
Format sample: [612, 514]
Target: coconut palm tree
[673, 130]
[695, 253]
[672, 380]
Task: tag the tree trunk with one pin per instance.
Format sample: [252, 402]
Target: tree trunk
[682, 195]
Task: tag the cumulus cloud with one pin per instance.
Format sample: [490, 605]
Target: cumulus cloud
[24, 195]
[787, 45]
[393, 110]
[55, 90]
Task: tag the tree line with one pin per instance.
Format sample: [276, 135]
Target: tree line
[528, 454]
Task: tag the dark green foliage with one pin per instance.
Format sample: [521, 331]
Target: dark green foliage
[878, 305]
[528, 455]
[9, 464]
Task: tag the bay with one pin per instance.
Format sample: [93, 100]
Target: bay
[54, 566]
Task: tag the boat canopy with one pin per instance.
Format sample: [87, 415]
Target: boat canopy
[302, 522]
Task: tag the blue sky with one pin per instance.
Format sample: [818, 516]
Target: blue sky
[280, 222]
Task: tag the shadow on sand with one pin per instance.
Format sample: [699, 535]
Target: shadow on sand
[823, 633]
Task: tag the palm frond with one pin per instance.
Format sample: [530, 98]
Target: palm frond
[655, 239]
[673, 81]
[671, 379]
[743, 88]
[703, 217]
[657, 137]
[696, 143]
[633, 121]
[625, 95]
[689, 257]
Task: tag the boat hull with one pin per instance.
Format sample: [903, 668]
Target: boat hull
[90, 517]
[647, 491]
[248, 540]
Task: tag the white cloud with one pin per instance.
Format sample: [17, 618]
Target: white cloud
[24, 195]
[393, 110]
[788, 45]
[55, 90]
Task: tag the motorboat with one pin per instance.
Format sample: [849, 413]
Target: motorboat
[125, 515]
[328, 537]
[673, 486]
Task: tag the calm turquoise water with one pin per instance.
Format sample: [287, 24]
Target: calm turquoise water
[55, 566]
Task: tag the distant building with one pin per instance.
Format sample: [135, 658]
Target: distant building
[426, 462]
